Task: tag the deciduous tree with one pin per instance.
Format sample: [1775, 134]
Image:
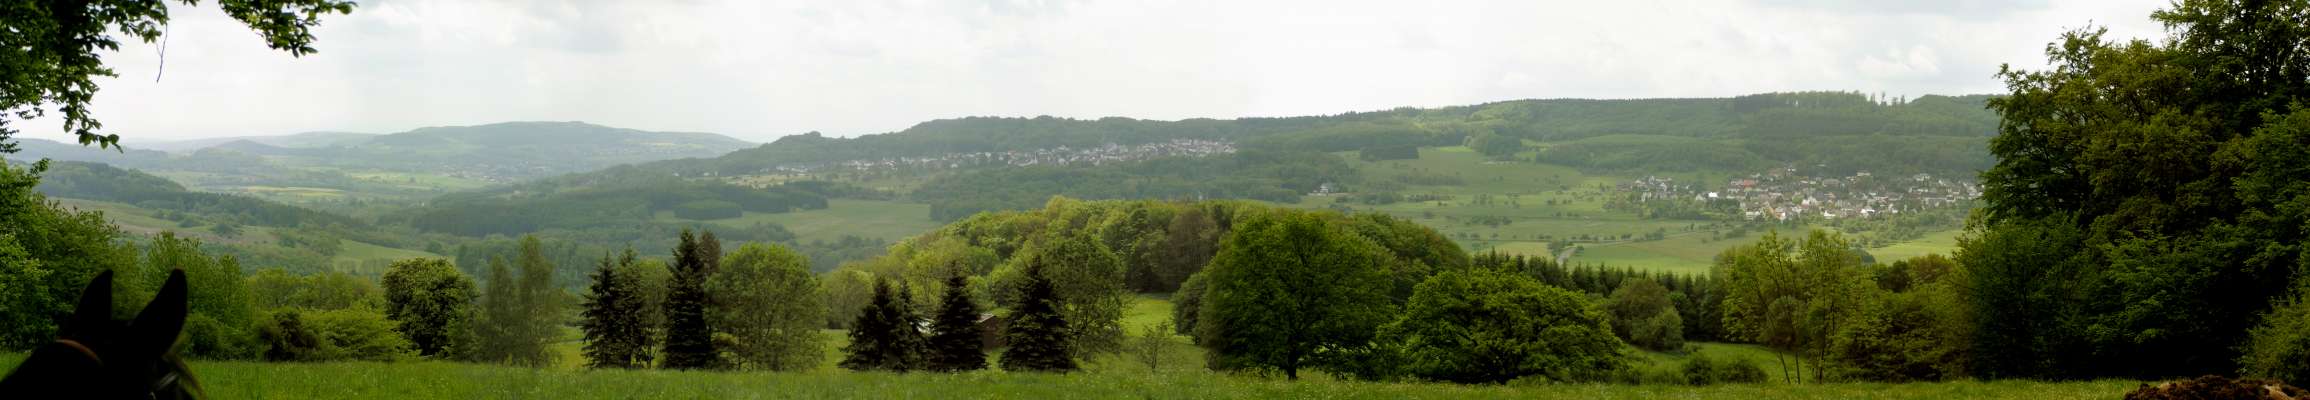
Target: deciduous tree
[1493, 327]
[428, 301]
[766, 309]
[1289, 289]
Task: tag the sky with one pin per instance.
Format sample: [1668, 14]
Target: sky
[757, 70]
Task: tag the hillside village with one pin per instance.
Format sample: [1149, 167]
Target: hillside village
[1783, 194]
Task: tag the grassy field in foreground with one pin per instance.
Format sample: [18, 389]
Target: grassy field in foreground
[1180, 375]
[438, 380]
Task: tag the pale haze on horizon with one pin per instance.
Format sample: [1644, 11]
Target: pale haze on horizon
[757, 70]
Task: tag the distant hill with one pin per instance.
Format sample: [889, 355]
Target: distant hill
[95, 181]
[969, 165]
[501, 152]
[300, 140]
[31, 149]
[1761, 120]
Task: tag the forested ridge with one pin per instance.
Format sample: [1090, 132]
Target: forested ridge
[2137, 215]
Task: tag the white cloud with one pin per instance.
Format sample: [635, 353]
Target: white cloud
[759, 69]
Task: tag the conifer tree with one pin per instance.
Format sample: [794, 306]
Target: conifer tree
[957, 342]
[877, 339]
[1036, 334]
[689, 341]
[913, 347]
[615, 333]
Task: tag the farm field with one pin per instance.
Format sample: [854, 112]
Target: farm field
[1539, 202]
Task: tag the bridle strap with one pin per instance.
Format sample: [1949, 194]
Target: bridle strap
[75, 345]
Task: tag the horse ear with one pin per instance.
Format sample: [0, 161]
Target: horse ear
[156, 328]
[95, 308]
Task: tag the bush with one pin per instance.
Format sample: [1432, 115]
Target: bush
[1643, 314]
[205, 337]
[1492, 327]
[287, 339]
[707, 209]
[1703, 369]
[334, 335]
[359, 334]
[2280, 347]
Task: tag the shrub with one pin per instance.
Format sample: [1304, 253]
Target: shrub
[205, 337]
[358, 334]
[1703, 369]
[1493, 327]
[2280, 347]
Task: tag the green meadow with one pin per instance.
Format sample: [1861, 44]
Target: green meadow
[1178, 375]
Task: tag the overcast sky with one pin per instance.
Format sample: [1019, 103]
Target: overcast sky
[757, 70]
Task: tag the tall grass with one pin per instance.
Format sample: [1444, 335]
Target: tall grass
[441, 380]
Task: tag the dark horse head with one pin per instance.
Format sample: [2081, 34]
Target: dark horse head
[96, 357]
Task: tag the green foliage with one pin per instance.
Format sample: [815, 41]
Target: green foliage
[273, 288]
[520, 315]
[1187, 310]
[436, 380]
[1088, 282]
[707, 209]
[331, 335]
[52, 53]
[287, 339]
[2279, 348]
[217, 294]
[1148, 347]
[1793, 296]
[1384, 153]
[689, 337]
[1277, 176]
[1918, 335]
[1494, 146]
[1642, 314]
[617, 332]
[2145, 206]
[1494, 327]
[1703, 369]
[1036, 330]
[886, 336]
[1653, 154]
[429, 302]
[92, 181]
[47, 254]
[1290, 291]
[1697, 300]
[608, 204]
[766, 303]
[358, 333]
[957, 341]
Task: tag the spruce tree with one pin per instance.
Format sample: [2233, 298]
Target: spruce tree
[689, 341]
[1036, 334]
[956, 342]
[913, 348]
[614, 332]
[877, 340]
